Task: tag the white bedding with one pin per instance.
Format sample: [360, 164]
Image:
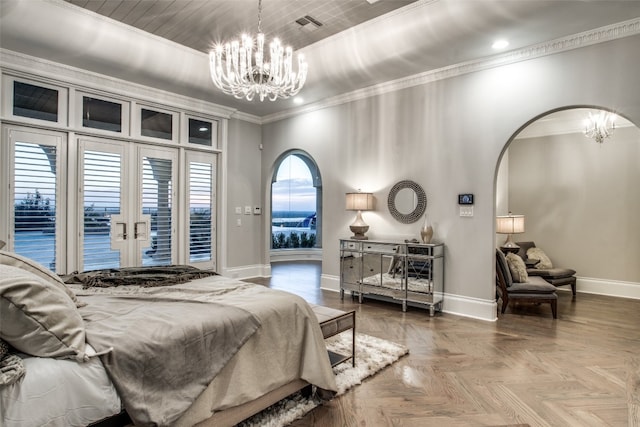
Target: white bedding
[288, 346]
[43, 397]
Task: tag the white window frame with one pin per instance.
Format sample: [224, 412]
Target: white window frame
[8, 95]
[125, 115]
[215, 130]
[137, 124]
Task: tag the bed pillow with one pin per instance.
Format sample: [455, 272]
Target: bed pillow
[13, 259]
[39, 318]
[538, 254]
[517, 268]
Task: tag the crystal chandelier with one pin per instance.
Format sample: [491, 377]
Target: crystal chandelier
[599, 126]
[239, 71]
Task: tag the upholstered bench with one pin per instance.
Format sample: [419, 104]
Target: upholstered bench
[332, 322]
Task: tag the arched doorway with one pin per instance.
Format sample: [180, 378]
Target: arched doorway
[296, 207]
[579, 195]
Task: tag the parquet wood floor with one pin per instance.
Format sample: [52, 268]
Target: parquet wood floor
[582, 369]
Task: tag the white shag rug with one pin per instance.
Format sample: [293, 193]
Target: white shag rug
[372, 354]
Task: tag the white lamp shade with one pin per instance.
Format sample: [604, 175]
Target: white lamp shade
[510, 224]
[359, 201]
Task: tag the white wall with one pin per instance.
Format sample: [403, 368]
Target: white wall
[245, 249]
[448, 136]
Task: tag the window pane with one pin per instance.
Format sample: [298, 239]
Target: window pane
[100, 114]
[35, 202]
[101, 200]
[156, 202]
[156, 124]
[200, 132]
[35, 102]
[293, 208]
[200, 182]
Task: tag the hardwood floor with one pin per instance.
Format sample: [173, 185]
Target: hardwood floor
[582, 369]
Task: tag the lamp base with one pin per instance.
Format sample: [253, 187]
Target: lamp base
[358, 228]
[358, 232]
[509, 246]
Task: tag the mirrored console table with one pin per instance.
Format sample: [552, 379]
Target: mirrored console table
[409, 273]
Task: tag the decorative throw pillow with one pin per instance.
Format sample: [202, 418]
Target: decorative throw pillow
[39, 318]
[13, 259]
[517, 268]
[538, 254]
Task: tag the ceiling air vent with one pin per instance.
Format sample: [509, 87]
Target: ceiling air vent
[308, 23]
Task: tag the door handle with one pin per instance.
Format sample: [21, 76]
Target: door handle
[140, 230]
[123, 234]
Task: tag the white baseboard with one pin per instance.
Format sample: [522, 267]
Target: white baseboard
[474, 308]
[613, 288]
[453, 304]
[330, 283]
[247, 271]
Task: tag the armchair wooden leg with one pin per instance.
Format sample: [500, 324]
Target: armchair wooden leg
[554, 308]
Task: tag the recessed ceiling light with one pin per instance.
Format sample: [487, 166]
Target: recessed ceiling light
[298, 100]
[500, 44]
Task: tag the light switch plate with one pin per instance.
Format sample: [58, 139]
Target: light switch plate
[247, 210]
[238, 210]
[466, 210]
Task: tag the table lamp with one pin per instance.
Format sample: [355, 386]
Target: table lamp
[510, 224]
[359, 202]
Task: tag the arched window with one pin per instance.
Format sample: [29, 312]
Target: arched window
[295, 203]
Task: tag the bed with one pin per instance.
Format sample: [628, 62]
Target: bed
[209, 351]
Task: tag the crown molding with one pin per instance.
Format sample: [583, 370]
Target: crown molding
[246, 117]
[40, 69]
[587, 38]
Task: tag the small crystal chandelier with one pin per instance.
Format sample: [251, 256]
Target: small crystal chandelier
[238, 71]
[599, 126]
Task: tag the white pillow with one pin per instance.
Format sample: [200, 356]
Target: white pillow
[39, 318]
[538, 254]
[15, 260]
[517, 268]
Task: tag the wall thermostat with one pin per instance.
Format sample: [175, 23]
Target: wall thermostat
[465, 199]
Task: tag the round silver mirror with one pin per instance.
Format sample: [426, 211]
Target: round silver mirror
[407, 202]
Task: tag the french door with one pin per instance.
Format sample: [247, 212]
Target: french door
[126, 204]
[87, 203]
[31, 195]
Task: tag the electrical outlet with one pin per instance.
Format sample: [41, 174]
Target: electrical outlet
[239, 222]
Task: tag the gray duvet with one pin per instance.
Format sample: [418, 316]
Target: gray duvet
[286, 346]
[165, 350]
